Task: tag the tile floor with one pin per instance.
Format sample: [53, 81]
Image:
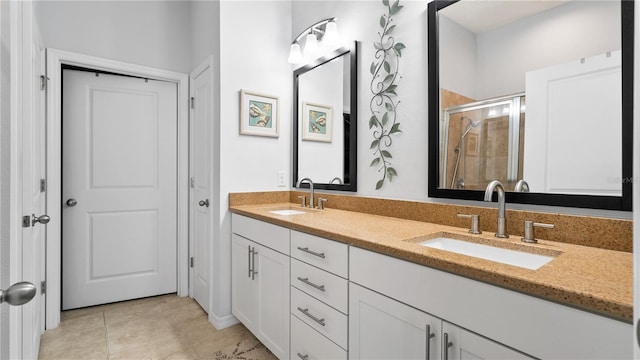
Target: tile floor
[162, 327]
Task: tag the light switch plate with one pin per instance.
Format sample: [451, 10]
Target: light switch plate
[282, 178]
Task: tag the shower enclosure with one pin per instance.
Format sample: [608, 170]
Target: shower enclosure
[482, 141]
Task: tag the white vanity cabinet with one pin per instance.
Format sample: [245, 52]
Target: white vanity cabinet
[381, 327]
[490, 322]
[319, 297]
[260, 281]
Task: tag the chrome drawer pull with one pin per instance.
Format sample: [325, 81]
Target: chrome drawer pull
[306, 312]
[430, 335]
[446, 344]
[306, 281]
[306, 249]
[303, 357]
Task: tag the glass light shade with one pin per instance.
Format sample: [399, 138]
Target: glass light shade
[295, 54]
[330, 39]
[311, 49]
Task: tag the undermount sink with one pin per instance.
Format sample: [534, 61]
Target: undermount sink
[505, 256]
[290, 210]
[287, 212]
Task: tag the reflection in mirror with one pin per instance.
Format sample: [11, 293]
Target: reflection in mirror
[539, 91]
[324, 135]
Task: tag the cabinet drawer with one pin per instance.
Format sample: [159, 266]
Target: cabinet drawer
[306, 343]
[323, 318]
[324, 286]
[326, 254]
[269, 235]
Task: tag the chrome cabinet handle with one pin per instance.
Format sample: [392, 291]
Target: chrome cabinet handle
[446, 344]
[306, 312]
[42, 219]
[306, 249]
[72, 202]
[303, 357]
[306, 281]
[430, 336]
[249, 252]
[253, 256]
[204, 203]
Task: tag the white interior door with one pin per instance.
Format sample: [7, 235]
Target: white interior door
[119, 188]
[573, 112]
[33, 190]
[201, 202]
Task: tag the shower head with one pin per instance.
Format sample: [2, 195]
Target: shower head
[472, 124]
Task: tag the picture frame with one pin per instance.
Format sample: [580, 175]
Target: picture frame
[317, 122]
[259, 114]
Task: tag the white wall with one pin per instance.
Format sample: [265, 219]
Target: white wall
[151, 33]
[359, 20]
[254, 43]
[506, 54]
[458, 61]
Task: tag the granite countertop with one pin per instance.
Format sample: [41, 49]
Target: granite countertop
[588, 278]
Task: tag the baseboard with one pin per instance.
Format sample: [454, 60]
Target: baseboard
[222, 322]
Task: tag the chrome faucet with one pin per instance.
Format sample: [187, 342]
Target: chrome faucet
[502, 221]
[311, 203]
[521, 186]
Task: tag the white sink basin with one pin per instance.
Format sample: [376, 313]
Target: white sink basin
[287, 212]
[505, 256]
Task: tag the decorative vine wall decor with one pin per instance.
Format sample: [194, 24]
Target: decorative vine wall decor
[384, 102]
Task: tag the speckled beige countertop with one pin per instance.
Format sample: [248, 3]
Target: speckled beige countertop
[593, 279]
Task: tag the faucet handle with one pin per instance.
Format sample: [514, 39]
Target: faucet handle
[303, 200]
[321, 202]
[529, 235]
[475, 221]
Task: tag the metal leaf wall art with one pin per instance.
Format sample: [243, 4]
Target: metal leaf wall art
[384, 102]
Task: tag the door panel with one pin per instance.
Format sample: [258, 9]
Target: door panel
[120, 166]
[201, 175]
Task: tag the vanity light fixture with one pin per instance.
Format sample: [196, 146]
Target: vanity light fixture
[320, 38]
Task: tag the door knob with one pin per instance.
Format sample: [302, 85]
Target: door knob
[42, 219]
[18, 293]
[72, 202]
[204, 203]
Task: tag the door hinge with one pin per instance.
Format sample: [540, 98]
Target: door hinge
[193, 182]
[191, 261]
[193, 102]
[43, 185]
[43, 82]
[43, 287]
[26, 221]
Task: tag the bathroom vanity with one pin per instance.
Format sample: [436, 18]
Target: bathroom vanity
[344, 284]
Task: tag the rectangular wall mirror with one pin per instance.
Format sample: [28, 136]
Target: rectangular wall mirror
[325, 126]
[540, 91]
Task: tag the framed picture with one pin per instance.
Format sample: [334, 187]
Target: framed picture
[259, 114]
[317, 122]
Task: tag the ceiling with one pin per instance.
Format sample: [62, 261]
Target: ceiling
[481, 16]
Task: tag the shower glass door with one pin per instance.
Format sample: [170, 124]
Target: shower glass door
[483, 141]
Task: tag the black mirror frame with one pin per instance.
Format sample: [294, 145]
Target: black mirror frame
[350, 167]
[623, 202]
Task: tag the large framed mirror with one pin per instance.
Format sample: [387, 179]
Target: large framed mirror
[325, 106]
[535, 94]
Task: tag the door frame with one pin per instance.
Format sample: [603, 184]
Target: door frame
[55, 59]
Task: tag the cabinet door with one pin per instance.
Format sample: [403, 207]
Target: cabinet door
[272, 282]
[244, 294]
[465, 345]
[382, 328]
